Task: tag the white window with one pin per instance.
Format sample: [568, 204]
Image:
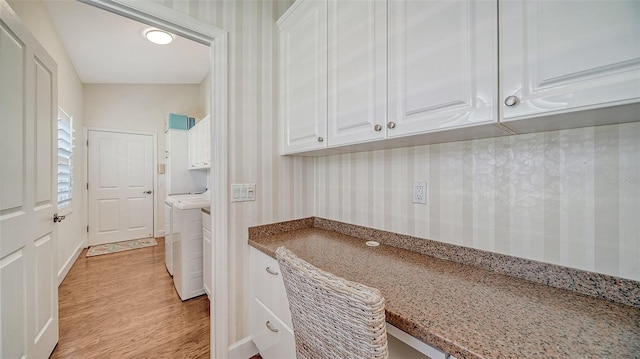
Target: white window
[65, 153]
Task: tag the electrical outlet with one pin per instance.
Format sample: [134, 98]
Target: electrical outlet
[420, 192]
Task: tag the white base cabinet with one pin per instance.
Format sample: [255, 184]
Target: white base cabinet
[207, 269]
[272, 329]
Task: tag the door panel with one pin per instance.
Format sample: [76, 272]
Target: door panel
[28, 197]
[303, 76]
[120, 172]
[565, 55]
[357, 71]
[44, 287]
[43, 134]
[12, 105]
[12, 304]
[442, 65]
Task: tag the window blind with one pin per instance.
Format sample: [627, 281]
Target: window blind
[65, 152]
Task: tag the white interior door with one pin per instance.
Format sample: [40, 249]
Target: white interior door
[120, 186]
[28, 196]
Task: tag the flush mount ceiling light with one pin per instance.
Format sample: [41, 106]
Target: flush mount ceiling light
[158, 37]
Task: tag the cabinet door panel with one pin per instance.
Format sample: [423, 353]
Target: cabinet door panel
[303, 77]
[442, 65]
[560, 56]
[357, 71]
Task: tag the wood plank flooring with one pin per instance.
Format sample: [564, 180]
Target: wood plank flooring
[124, 305]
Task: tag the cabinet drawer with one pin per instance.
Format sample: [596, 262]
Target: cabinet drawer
[268, 285]
[273, 339]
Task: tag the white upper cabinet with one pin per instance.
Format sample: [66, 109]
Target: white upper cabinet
[357, 71]
[200, 144]
[559, 57]
[442, 65]
[303, 76]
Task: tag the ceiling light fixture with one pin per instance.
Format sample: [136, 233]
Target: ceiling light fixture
[158, 37]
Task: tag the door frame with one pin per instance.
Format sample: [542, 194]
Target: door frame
[155, 172]
[217, 39]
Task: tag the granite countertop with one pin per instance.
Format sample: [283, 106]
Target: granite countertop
[467, 311]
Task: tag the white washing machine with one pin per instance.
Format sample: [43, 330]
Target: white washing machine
[187, 246]
[170, 224]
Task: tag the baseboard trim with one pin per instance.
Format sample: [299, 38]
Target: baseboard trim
[242, 349]
[62, 273]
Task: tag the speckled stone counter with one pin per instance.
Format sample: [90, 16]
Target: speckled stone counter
[464, 310]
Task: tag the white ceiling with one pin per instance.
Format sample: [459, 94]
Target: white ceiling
[107, 48]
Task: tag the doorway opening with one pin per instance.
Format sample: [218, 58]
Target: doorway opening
[170, 20]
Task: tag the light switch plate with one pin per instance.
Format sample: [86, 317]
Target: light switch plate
[243, 192]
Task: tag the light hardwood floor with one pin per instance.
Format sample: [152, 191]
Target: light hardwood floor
[124, 305]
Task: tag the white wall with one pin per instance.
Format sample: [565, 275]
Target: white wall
[71, 233]
[141, 108]
[567, 197]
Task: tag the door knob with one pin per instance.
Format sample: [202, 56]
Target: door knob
[147, 192]
[57, 219]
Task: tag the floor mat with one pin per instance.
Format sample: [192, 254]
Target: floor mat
[121, 246]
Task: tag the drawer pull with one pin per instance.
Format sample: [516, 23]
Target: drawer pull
[270, 327]
[271, 271]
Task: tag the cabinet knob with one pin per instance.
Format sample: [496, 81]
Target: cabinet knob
[320, 139]
[271, 271]
[377, 128]
[511, 100]
[391, 125]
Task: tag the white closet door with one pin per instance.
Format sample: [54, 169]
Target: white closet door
[28, 193]
[120, 186]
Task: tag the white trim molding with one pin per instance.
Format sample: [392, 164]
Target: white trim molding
[243, 349]
[62, 272]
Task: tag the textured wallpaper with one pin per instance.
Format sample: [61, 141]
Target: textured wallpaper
[568, 197]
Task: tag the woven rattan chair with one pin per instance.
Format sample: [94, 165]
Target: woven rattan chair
[332, 317]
